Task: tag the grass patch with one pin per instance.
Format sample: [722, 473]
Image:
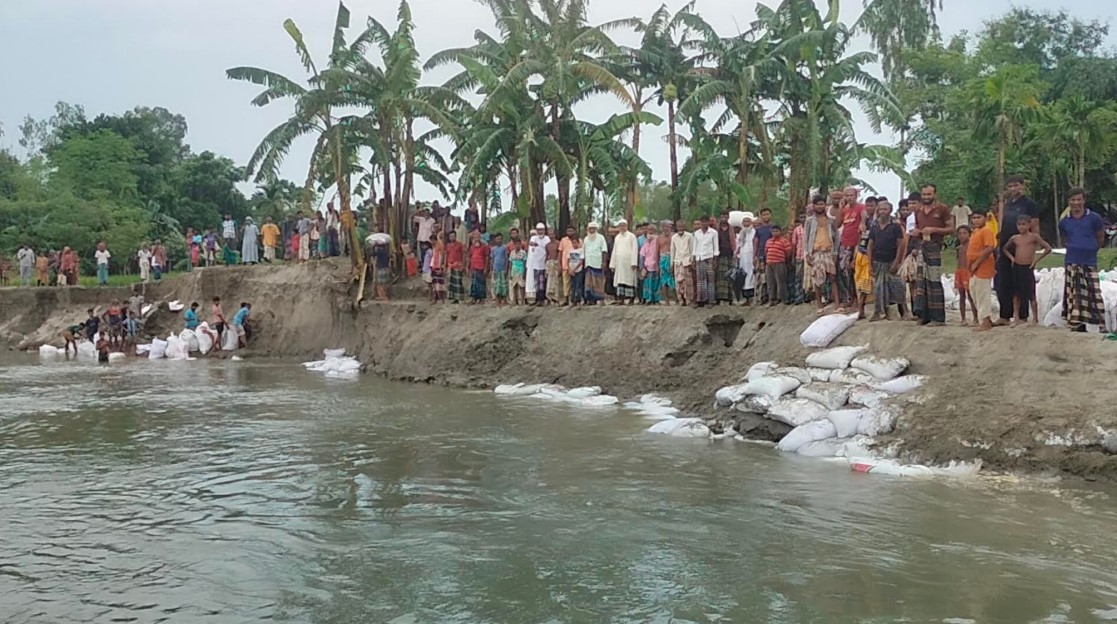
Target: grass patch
[121, 281]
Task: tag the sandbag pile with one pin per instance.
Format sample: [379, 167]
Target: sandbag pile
[836, 405]
[589, 396]
[336, 365]
[653, 407]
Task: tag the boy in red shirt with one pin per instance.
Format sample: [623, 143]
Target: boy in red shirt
[777, 251]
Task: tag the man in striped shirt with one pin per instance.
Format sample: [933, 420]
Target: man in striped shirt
[776, 254]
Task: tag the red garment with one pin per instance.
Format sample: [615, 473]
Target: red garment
[455, 255]
[411, 265]
[778, 250]
[851, 225]
[478, 257]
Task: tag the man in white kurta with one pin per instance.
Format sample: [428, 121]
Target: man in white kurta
[746, 266]
[623, 261]
[537, 263]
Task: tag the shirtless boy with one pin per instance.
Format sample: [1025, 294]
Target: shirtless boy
[1021, 251]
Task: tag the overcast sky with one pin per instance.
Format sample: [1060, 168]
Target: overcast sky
[112, 55]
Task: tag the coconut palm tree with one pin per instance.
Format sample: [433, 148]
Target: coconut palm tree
[1003, 104]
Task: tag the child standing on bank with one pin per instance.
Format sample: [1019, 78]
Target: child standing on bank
[517, 273]
[499, 263]
[979, 259]
[1021, 250]
[962, 274]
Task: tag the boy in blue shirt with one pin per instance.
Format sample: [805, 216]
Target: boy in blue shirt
[240, 324]
[191, 316]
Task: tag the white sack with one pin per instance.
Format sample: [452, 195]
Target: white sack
[333, 353]
[832, 447]
[681, 428]
[86, 349]
[852, 377]
[1055, 318]
[190, 338]
[158, 349]
[878, 421]
[736, 218]
[800, 374]
[229, 340]
[755, 404]
[826, 330]
[206, 338]
[176, 348]
[820, 374]
[810, 432]
[833, 396]
[902, 385]
[116, 356]
[519, 389]
[584, 393]
[772, 387]
[835, 358]
[653, 407]
[48, 351]
[760, 370]
[881, 368]
[847, 422]
[143, 349]
[175, 306]
[729, 395]
[868, 397]
[796, 412]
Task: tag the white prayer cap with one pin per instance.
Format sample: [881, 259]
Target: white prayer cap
[622, 222]
[749, 215]
[540, 226]
[592, 225]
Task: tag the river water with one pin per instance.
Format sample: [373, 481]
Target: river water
[245, 491]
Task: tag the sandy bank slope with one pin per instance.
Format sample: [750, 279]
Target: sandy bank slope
[1030, 399]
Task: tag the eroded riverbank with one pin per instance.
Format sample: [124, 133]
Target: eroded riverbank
[1025, 399]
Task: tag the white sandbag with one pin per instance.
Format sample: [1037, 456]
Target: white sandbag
[810, 432]
[87, 350]
[760, 370]
[584, 393]
[881, 368]
[736, 218]
[1055, 318]
[835, 358]
[796, 412]
[859, 446]
[832, 396]
[773, 387]
[729, 395]
[820, 374]
[143, 349]
[519, 389]
[175, 306]
[832, 447]
[902, 385]
[826, 330]
[653, 407]
[116, 356]
[333, 353]
[949, 295]
[158, 349]
[190, 338]
[847, 422]
[206, 338]
[878, 421]
[852, 377]
[329, 374]
[890, 467]
[800, 374]
[229, 340]
[681, 428]
[176, 349]
[378, 238]
[869, 397]
[49, 351]
[755, 404]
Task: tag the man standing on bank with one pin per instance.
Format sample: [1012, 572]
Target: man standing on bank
[1015, 205]
[933, 221]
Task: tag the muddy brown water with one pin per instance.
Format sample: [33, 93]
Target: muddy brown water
[254, 491]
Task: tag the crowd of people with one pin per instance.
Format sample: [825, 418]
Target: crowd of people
[842, 255]
[302, 237]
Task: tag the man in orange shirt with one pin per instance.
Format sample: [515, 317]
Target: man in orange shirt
[565, 247]
[270, 233]
[979, 256]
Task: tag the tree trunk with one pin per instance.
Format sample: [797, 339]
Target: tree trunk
[1081, 164]
[630, 207]
[743, 153]
[512, 186]
[799, 174]
[1000, 175]
[671, 140]
[400, 232]
[561, 179]
[538, 199]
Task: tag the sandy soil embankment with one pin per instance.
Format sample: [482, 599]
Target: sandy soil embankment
[1022, 399]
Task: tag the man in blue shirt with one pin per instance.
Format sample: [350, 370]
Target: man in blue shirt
[1083, 231]
[240, 324]
[191, 316]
